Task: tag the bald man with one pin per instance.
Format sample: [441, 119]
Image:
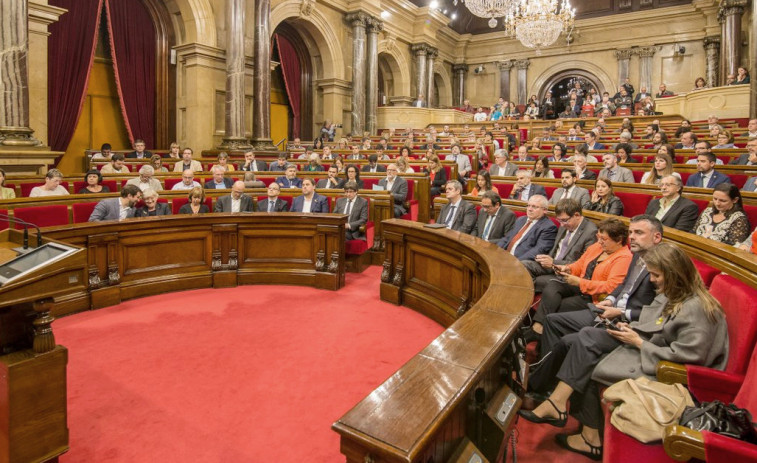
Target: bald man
[237, 201]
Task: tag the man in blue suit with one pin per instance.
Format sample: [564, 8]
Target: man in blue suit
[310, 201]
[524, 189]
[592, 143]
[707, 176]
[532, 234]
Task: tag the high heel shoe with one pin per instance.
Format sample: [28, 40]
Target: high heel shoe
[595, 452]
[559, 422]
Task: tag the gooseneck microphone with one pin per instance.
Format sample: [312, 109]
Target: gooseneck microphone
[11, 220]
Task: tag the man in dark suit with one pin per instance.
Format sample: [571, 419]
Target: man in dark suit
[219, 181]
[524, 189]
[289, 179]
[310, 201]
[574, 236]
[547, 107]
[494, 219]
[139, 151]
[707, 176]
[532, 234]
[591, 141]
[237, 201]
[398, 186]
[749, 158]
[672, 209]
[117, 208]
[582, 172]
[356, 209]
[332, 181]
[273, 203]
[458, 214]
[250, 164]
[373, 165]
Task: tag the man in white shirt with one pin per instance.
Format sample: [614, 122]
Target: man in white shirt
[145, 179]
[187, 181]
[463, 162]
[480, 115]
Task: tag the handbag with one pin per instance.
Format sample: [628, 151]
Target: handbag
[728, 420]
[643, 408]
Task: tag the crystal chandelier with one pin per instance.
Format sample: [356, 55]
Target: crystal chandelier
[491, 9]
[538, 23]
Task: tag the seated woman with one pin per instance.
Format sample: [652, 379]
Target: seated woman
[403, 167]
[725, 140]
[353, 175]
[223, 161]
[533, 110]
[196, 204]
[406, 153]
[495, 114]
[436, 174]
[318, 144]
[483, 183]
[152, 206]
[594, 275]
[157, 163]
[699, 84]
[343, 144]
[94, 183]
[541, 169]
[8, 193]
[742, 77]
[535, 144]
[174, 151]
[663, 166]
[339, 163]
[559, 153]
[623, 151]
[724, 220]
[683, 324]
[603, 199]
[314, 164]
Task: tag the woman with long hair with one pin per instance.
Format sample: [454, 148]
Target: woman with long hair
[663, 166]
[437, 175]
[603, 199]
[483, 183]
[724, 220]
[541, 169]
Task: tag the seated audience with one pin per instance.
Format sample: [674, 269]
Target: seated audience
[623, 152]
[683, 324]
[672, 209]
[223, 161]
[524, 189]
[532, 234]
[273, 203]
[218, 182]
[463, 162]
[403, 167]
[356, 209]
[117, 208]
[613, 171]
[663, 166]
[196, 204]
[483, 183]
[174, 151]
[9, 193]
[724, 220]
[707, 176]
[352, 174]
[398, 186]
[310, 201]
[699, 84]
[541, 169]
[494, 220]
[187, 162]
[187, 182]
[579, 166]
[327, 155]
[94, 179]
[104, 153]
[750, 157]
[157, 163]
[152, 207]
[458, 214]
[237, 201]
[603, 199]
[314, 163]
[116, 166]
[436, 174]
[145, 179]
[569, 189]
[339, 163]
[279, 165]
[52, 186]
[250, 181]
[139, 151]
[290, 179]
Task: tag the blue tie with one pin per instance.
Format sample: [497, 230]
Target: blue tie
[451, 216]
[488, 225]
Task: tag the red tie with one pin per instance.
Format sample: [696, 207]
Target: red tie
[518, 235]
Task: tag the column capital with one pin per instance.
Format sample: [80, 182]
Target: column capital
[522, 63]
[712, 41]
[374, 25]
[624, 53]
[357, 18]
[505, 65]
[460, 67]
[646, 52]
[422, 49]
[731, 7]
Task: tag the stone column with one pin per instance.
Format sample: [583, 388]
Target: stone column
[430, 59]
[14, 75]
[420, 51]
[371, 95]
[504, 78]
[460, 70]
[261, 78]
[522, 65]
[712, 60]
[729, 17]
[358, 21]
[624, 60]
[234, 138]
[645, 67]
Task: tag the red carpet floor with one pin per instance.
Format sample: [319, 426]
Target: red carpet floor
[247, 374]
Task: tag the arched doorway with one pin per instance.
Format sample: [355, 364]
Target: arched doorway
[287, 40]
[561, 83]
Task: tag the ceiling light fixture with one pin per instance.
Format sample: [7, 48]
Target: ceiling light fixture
[538, 23]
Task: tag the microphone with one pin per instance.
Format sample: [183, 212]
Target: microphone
[26, 225]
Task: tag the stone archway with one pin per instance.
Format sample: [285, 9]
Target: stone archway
[589, 71]
[394, 69]
[442, 87]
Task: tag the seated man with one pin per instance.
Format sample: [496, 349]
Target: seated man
[458, 214]
[591, 141]
[750, 157]
[187, 162]
[501, 166]
[707, 176]
[332, 181]
[524, 189]
[703, 147]
[117, 208]
[250, 181]
[355, 155]
[494, 219]
[145, 179]
[573, 237]
[328, 155]
[237, 201]
[273, 203]
[219, 182]
[356, 209]
[579, 165]
[397, 186]
[533, 233]
[688, 141]
[139, 151]
[250, 164]
[52, 186]
[187, 182]
[290, 179]
[373, 166]
[463, 162]
[672, 209]
[613, 171]
[570, 190]
[280, 164]
[116, 166]
[310, 201]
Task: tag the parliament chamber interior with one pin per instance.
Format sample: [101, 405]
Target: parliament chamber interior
[393, 231]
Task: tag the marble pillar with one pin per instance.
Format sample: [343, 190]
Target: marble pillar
[460, 70]
[371, 97]
[430, 59]
[420, 51]
[645, 67]
[261, 78]
[358, 22]
[522, 65]
[624, 61]
[234, 138]
[14, 75]
[504, 78]
[712, 60]
[729, 16]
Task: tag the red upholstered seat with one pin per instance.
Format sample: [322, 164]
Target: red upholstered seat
[637, 174]
[82, 211]
[42, 216]
[266, 180]
[3, 222]
[706, 271]
[633, 203]
[369, 182]
[27, 188]
[739, 302]
[356, 247]
[751, 211]
[504, 189]
[701, 203]
[550, 190]
[170, 182]
[685, 176]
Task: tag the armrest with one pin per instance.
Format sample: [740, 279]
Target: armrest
[707, 384]
[682, 443]
[671, 372]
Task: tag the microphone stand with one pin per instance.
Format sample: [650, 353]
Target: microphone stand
[25, 248]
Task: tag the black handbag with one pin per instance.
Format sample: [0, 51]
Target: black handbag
[728, 420]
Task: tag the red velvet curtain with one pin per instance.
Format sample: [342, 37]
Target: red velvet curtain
[70, 52]
[290, 68]
[132, 43]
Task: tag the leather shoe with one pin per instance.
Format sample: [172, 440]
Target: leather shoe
[559, 422]
[595, 452]
[530, 336]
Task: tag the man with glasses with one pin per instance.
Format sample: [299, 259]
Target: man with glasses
[458, 214]
[273, 203]
[398, 186]
[494, 220]
[532, 234]
[672, 209]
